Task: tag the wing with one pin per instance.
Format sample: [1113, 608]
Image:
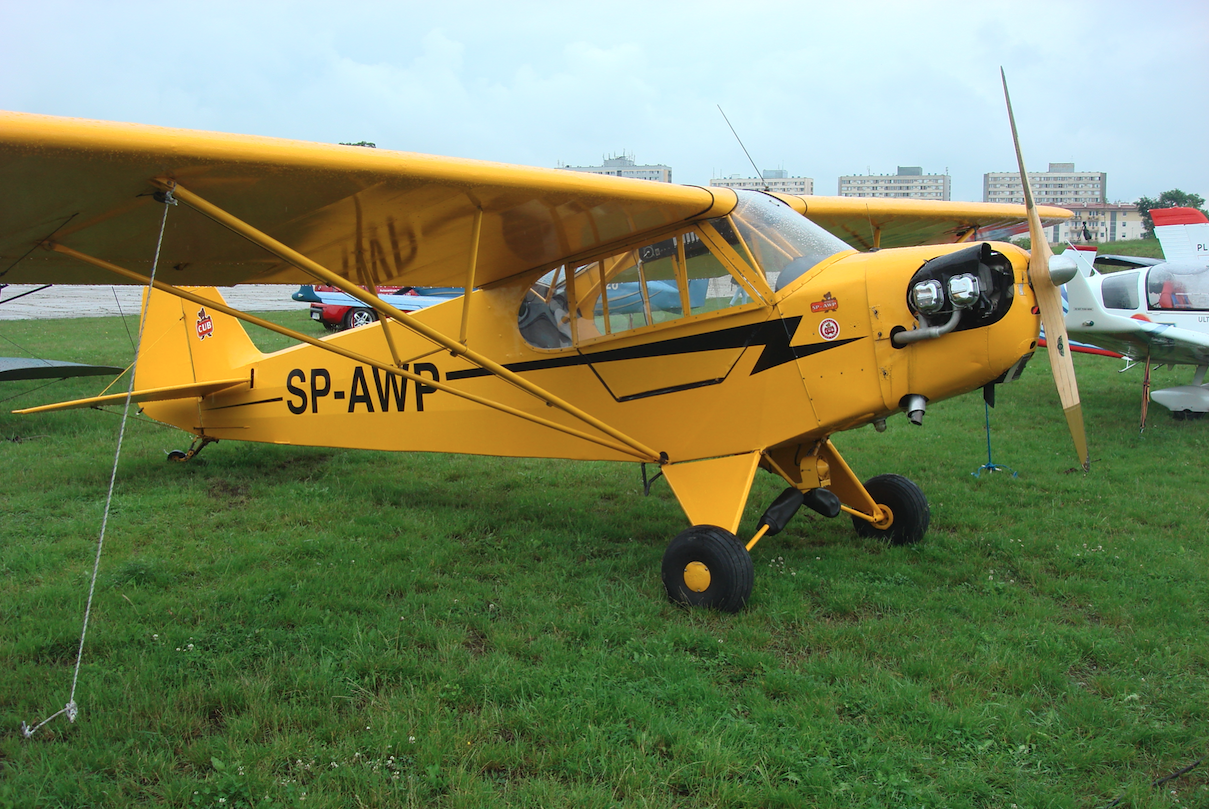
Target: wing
[1163, 342]
[871, 222]
[373, 216]
[1112, 263]
[14, 368]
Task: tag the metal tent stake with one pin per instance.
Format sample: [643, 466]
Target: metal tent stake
[990, 466]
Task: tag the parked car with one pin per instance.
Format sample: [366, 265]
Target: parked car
[338, 310]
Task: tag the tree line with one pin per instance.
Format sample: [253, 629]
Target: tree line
[1175, 198]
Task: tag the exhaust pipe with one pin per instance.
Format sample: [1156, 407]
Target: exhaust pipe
[914, 405]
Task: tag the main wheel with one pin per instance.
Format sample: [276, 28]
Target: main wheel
[359, 317]
[908, 508]
[707, 566]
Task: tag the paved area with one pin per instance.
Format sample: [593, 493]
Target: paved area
[102, 301]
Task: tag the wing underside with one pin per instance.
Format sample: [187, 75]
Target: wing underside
[374, 217]
[883, 222]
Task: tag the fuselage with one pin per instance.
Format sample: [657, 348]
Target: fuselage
[779, 352]
[1160, 311]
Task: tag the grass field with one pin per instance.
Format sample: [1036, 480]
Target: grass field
[278, 626]
[1146, 248]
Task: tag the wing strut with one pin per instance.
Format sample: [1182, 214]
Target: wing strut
[454, 347]
[335, 349]
[474, 260]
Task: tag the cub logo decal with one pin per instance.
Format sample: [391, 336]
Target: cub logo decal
[829, 329]
[205, 324]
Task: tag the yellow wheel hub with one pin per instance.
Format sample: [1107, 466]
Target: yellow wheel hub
[887, 518]
[696, 577]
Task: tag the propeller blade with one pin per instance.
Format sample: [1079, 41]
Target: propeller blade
[1049, 301]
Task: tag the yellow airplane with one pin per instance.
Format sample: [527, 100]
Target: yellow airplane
[709, 331]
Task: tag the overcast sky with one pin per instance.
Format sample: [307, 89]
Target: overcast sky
[819, 89]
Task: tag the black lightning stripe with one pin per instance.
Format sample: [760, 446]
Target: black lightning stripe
[775, 335]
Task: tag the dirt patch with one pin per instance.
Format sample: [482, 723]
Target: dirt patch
[233, 494]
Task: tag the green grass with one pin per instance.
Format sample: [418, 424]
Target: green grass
[334, 628]
[1146, 248]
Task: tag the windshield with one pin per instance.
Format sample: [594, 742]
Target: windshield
[780, 241]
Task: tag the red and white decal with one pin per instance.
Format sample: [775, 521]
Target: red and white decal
[205, 324]
[828, 304]
[829, 329]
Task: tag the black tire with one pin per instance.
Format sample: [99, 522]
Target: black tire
[905, 501]
[178, 455]
[727, 562]
[359, 316]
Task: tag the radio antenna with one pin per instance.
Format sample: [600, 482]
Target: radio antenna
[744, 148]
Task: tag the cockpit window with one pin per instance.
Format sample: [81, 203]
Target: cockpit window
[642, 287]
[1120, 291]
[714, 285]
[714, 265]
[1178, 286]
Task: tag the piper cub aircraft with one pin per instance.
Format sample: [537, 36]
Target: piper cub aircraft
[710, 331]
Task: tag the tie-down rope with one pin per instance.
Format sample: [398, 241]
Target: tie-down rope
[71, 708]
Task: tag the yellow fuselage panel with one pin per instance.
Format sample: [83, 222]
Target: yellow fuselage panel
[818, 361]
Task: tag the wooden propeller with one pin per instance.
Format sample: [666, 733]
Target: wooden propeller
[1049, 301]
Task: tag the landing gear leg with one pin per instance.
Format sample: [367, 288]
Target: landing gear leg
[180, 456]
[887, 506]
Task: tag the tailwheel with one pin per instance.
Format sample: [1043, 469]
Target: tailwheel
[707, 566]
[908, 511]
[199, 443]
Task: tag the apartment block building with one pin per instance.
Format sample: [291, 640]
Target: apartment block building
[909, 182]
[1061, 185]
[1100, 222]
[624, 166]
[772, 179]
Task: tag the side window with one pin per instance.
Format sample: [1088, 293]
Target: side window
[1120, 291]
[658, 282]
[543, 318]
[629, 290]
[711, 285]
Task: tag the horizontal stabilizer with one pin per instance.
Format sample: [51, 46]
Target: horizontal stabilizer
[148, 395]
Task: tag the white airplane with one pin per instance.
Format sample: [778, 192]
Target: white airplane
[1152, 311]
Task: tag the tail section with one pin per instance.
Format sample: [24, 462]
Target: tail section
[1183, 233]
[188, 351]
[191, 346]
[1083, 304]
[186, 343]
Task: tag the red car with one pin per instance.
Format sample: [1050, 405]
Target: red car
[337, 310]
